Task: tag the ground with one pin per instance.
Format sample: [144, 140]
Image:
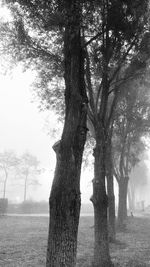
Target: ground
[23, 242]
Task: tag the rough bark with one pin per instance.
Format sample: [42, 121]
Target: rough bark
[110, 192]
[65, 193]
[64, 214]
[122, 205]
[111, 207]
[100, 203]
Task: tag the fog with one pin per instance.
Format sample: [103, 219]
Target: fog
[140, 179]
[25, 129]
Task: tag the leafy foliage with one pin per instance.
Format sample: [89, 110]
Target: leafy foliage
[35, 36]
[117, 37]
[132, 122]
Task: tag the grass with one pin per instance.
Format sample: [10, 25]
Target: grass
[23, 242]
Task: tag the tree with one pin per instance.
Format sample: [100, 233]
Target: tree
[138, 183]
[127, 162]
[132, 122]
[118, 40]
[116, 29]
[8, 164]
[27, 171]
[65, 192]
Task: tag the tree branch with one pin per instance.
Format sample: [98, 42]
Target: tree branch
[116, 174]
[112, 109]
[98, 94]
[89, 84]
[121, 61]
[92, 39]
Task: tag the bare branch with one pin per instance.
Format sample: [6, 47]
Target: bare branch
[122, 61]
[92, 39]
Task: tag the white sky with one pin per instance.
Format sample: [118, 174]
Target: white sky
[22, 129]
[20, 121]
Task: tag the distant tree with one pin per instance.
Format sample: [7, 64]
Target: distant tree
[138, 182]
[131, 124]
[28, 171]
[8, 164]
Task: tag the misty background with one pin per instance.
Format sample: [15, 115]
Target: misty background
[24, 128]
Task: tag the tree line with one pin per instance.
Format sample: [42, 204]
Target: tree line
[92, 63]
[23, 170]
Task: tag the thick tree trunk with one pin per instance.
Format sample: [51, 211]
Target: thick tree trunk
[110, 192]
[122, 205]
[64, 214]
[100, 203]
[111, 207]
[65, 193]
[65, 204]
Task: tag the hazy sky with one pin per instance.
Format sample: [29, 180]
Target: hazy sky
[21, 122]
[22, 129]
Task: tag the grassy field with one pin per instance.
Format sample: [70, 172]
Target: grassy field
[23, 242]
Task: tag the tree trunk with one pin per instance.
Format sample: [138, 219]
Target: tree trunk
[64, 215]
[65, 192]
[122, 205]
[100, 203]
[111, 207]
[4, 192]
[111, 196]
[5, 183]
[25, 189]
[131, 198]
